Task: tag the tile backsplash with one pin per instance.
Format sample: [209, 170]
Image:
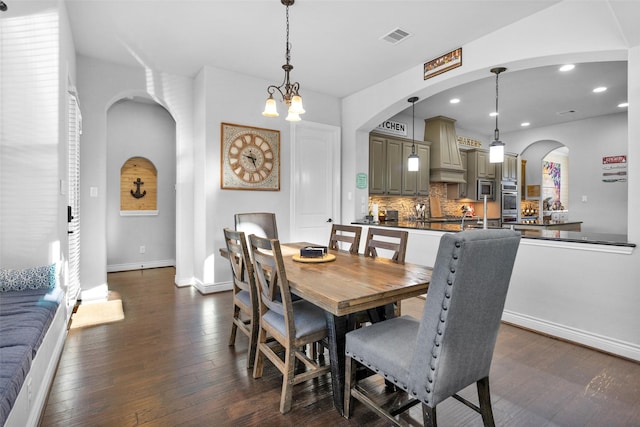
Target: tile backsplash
[405, 205]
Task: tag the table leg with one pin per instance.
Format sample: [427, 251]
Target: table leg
[337, 326]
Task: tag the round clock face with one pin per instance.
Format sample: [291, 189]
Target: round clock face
[251, 158]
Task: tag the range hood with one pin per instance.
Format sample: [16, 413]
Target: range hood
[446, 163]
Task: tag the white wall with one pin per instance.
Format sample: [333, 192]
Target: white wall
[138, 129]
[234, 98]
[588, 141]
[100, 84]
[198, 106]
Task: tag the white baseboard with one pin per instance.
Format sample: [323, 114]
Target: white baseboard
[609, 345]
[141, 265]
[210, 288]
[183, 282]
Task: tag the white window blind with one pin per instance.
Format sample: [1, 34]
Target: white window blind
[75, 130]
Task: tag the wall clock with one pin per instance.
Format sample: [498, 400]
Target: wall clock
[249, 158]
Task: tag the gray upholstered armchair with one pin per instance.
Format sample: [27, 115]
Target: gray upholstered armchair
[451, 347]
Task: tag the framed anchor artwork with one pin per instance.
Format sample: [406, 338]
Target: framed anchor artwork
[138, 187]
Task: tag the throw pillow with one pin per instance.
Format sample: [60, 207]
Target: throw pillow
[42, 277]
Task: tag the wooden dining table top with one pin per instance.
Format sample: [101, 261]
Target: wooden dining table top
[351, 282]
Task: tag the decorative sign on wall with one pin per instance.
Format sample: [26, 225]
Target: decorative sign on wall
[469, 142]
[138, 185]
[443, 63]
[393, 128]
[614, 169]
[249, 158]
[361, 181]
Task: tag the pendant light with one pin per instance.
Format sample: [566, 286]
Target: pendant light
[413, 164]
[289, 91]
[496, 148]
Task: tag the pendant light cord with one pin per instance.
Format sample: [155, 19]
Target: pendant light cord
[496, 133]
[413, 131]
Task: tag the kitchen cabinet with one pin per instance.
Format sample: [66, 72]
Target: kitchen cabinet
[510, 168]
[388, 173]
[416, 183]
[478, 167]
[459, 190]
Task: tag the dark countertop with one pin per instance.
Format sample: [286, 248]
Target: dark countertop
[556, 235]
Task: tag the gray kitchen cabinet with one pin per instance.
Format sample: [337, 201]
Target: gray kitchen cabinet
[388, 173]
[478, 167]
[377, 165]
[510, 168]
[416, 183]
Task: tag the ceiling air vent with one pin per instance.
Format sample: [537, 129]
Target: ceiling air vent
[396, 36]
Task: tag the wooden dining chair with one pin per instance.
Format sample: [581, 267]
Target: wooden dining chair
[245, 292]
[349, 234]
[451, 347]
[261, 224]
[389, 242]
[293, 325]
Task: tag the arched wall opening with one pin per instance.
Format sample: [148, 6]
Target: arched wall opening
[141, 238]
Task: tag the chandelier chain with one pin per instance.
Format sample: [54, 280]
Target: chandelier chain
[288, 46]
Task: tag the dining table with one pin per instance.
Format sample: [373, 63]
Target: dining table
[346, 285]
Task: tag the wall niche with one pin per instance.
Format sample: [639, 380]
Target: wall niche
[138, 187]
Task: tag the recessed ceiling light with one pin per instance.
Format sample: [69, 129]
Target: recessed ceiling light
[454, 100]
[567, 67]
[493, 114]
[525, 124]
[599, 89]
[623, 104]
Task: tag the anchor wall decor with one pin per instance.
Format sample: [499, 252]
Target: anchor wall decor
[143, 194]
[138, 195]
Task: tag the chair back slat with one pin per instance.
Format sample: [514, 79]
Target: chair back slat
[241, 268]
[388, 239]
[271, 278]
[345, 233]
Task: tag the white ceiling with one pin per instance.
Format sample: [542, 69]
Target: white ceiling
[336, 48]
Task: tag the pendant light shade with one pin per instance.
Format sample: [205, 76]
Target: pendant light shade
[496, 148]
[413, 163]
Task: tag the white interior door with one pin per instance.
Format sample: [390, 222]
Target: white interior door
[315, 181]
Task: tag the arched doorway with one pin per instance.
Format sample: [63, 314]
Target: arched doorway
[136, 239]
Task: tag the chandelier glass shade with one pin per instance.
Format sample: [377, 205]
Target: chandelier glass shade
[496, 148]
[290, 92]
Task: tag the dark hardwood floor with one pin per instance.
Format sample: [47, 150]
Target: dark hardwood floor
[168, 364]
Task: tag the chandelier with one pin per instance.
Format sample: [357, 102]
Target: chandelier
[289, 91]
[496, 148]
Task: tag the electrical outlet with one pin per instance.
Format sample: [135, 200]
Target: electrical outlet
[143, 249]
[584, 199]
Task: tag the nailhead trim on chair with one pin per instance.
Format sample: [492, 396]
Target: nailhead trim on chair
[443, 319]
[437, 340]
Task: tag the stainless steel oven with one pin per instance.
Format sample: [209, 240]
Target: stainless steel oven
[509, 201]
